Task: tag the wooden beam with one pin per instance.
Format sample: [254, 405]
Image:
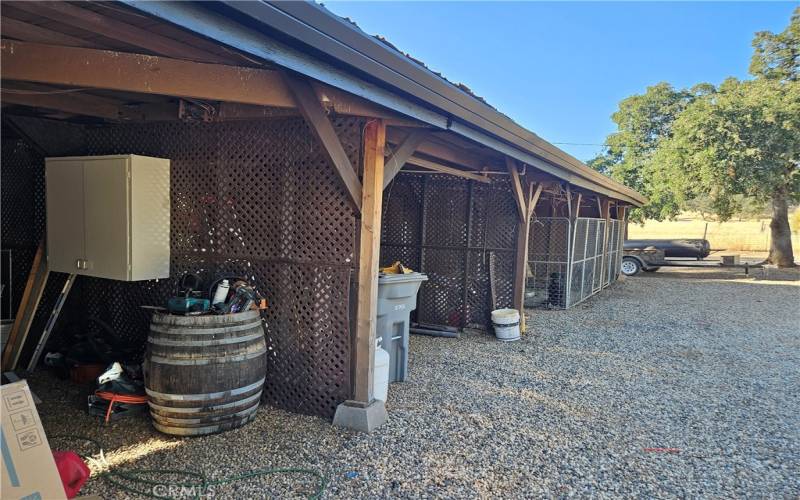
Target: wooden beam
[534, 199]
[14, 28]
[31, 296]
[430, 165]
[402, 154]
[346, 103]
[368, 261]
[108, 69]
[516, 184]
[323, 130]
[577, 205]
[94, 22]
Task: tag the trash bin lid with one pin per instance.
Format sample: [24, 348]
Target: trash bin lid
[401, 278]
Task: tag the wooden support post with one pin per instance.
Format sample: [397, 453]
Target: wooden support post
[363, 412]
[372, 199]
[402, 154]
[624, 219]
[605, 213]
[524, 206]
[323, 130]
[521, 270]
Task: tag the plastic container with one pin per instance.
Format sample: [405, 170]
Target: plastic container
[506, 324]
[221, 293]
[380, 378]
[397, 297]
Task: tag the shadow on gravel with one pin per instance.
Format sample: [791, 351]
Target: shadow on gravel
[713, 273]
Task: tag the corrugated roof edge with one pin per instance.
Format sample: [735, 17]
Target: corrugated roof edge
[252, 30]
[316, 17]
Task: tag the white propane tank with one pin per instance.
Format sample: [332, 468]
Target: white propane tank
[221, 293]
[380, 380]
[506, 324]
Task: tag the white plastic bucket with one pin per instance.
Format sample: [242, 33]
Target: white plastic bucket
[380, 380]
[506, 324]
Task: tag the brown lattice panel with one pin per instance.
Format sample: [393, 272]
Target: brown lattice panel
[255, 199]
[448, 227]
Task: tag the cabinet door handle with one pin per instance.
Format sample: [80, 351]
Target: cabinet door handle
[79, 263]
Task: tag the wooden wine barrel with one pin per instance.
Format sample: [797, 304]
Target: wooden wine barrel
[204, 374]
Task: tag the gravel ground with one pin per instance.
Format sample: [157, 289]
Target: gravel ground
[706, 364]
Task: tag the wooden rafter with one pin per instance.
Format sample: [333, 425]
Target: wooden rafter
[401, 155]
[14, 28]
[94, 22]
[323, 130]
[75, 103]
[436, 147]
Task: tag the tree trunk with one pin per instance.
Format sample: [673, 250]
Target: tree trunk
[780, 251]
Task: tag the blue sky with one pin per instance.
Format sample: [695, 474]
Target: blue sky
[559, 69]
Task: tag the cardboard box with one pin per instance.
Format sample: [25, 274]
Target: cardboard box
[29, 471]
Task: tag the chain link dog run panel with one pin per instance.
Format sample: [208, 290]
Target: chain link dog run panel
[255, 199]
[613, 257]
[449, 227]
[564, 266]
[548, 262]
[587, 259]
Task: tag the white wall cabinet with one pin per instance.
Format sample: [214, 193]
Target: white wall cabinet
[108, 216]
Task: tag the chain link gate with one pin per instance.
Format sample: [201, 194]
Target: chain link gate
[548, 262]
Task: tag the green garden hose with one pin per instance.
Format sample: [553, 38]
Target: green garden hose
[199, 484]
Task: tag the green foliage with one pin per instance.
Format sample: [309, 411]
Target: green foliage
[643, 121]
[727, 150]
[777, 56]
[743, 139]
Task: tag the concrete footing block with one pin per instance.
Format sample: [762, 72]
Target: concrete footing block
[359, 416]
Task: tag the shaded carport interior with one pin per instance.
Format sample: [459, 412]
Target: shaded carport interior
[256, 191]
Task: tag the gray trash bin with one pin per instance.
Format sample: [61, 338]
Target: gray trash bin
[397, 297]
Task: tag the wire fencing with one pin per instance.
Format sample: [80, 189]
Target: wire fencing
[569, 262]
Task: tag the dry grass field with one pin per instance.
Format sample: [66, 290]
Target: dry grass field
[746, 235]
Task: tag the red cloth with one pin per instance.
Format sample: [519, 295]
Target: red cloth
[74, 473]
